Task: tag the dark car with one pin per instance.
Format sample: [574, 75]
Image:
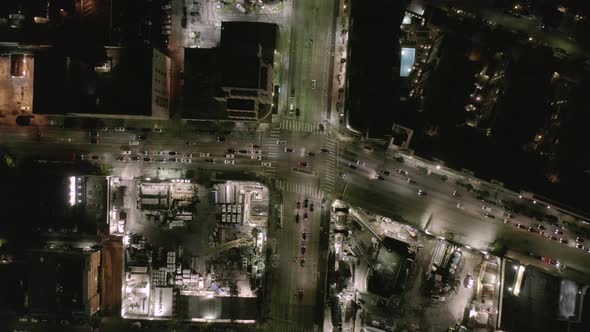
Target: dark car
[135, 158]
[491, 216]
[297, 112]
[401, 171]
[220, 139]
[173, 160]
[351, 166]
[303, 250]
[311, 154]
[304, 235]
[532, 229]
[304, 215]
[540, 227]
[298, 204]
[324, 150]
[297, 217]
[422, 193]
[147, 159]
[579, 239]
[302, 261]
[311, 207]
[380, 177]
[231, 150]
[96, 158]
[255, 146]
[172, 153]
[386, 172]
[305, 203]
[520, 226]
[210, 161]
[93, 134]
[552, 238]
[141, 137]
[288, 150]
[93, 141]
[558, 232]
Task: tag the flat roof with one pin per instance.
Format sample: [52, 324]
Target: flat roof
[244, 46]
[122, 86]
[202, 82]
[55, 282]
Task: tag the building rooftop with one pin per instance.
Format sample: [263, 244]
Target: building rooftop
[121, 86]
[249, 38]
[201, 84]
[244, 45]
[234, 75]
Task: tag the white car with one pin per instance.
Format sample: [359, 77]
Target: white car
[158, 153]
[468, 281]
[188, 161]
[188, 155]
[204, 154]
[120, 129]
[256, 157]
[266, 164]
[232, 162]
[313, 84]
[229, 156]
[126, 152]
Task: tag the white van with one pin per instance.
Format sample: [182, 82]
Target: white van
[133, 142]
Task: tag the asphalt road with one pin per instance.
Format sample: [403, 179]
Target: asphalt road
[394, 196]
[310, 54]
[438, 212]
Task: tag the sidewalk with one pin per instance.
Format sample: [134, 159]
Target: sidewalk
[339, 74]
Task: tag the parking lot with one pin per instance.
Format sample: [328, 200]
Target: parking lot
[16, 86]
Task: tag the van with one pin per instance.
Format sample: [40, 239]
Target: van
[133, 142]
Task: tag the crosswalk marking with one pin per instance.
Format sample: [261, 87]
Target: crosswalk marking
[270, 145]
[295, 187]
[284, 326]
[331, 165]
[299, 126]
